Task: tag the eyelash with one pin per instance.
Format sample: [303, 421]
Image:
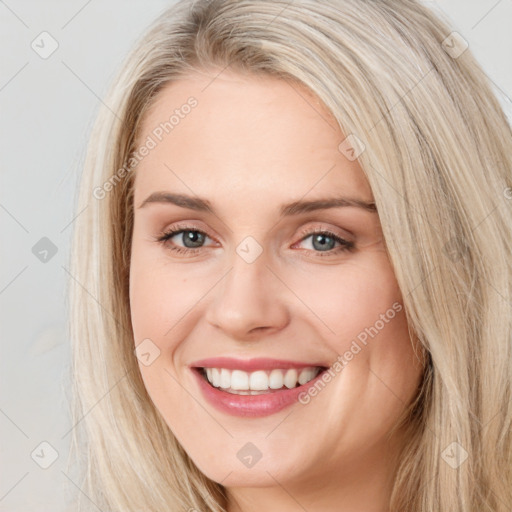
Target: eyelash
[345, 244]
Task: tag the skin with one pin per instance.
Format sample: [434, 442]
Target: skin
[252, 144]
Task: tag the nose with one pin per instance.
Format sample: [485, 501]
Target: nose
[249, 301]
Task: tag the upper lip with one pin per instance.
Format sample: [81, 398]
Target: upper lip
[260, 363]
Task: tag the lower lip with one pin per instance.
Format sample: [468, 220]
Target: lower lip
[251, 405]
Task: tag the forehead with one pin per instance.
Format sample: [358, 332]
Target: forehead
[246, 137]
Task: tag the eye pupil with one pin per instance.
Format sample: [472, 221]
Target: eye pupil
[193, 236]
[323, 245]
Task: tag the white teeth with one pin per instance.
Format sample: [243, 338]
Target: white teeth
[276, 379]
[290, 379]
[306, 375]
[260, 380]
[239, 380]
[215, 377]
[225, 379]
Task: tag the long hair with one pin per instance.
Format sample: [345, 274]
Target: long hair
[421, 116]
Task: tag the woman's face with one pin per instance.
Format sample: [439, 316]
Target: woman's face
[261, 286]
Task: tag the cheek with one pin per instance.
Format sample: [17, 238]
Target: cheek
[348, 300]
[160, 296]
[359, 312]
[158, 300]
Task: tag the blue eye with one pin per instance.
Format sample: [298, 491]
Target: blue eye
[193, 239]
[188, 236]
[325, 241]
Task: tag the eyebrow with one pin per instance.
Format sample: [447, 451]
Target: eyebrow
[294, 208]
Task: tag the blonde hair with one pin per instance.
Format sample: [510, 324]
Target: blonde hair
[438, 157]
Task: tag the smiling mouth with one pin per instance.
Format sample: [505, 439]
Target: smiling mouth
[259, 382]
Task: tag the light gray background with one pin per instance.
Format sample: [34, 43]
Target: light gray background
[47, 110]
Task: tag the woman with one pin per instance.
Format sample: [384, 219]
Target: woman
[292, 276]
